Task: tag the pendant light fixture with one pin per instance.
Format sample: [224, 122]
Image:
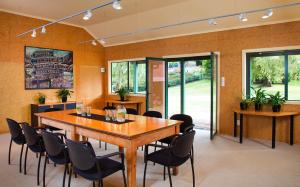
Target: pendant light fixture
[117, 5]
[87, 15]
[33, 34]
[267, 14]
[243, 17]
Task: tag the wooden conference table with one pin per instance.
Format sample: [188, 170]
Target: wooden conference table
[273, 115]
[142, 130]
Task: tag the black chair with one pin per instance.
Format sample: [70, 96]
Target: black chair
[94, 168]
[179, 151]
[50, 128]
[35, 144]
[18, 137]
[132, 111]
[154, 114]
[56, 151]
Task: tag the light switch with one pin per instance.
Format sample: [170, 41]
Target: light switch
[223, 81]
[102, 70]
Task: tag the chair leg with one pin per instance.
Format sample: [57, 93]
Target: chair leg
[101, 182]
[193, 172]
[70, 176]
[124, 178]
[44, 170]
[144, 180]
[25, 161]
[170, 176]
[38, 169]
[9, 151]
[65, 172]
[99, 144]
[94, 184]
[105, 146]
[20, 162]
[164, 173]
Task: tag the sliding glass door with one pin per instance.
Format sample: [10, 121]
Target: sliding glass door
[214, 95]
[155, 87]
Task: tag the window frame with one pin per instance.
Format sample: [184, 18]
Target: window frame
[285, 53]
[136, 62]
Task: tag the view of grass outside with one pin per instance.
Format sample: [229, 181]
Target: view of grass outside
[268, 73]
[197, 91]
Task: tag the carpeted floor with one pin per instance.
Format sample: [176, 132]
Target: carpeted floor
[219, 163]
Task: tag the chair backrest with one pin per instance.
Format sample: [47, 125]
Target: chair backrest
[14, 128]
[52, 109]
[187, 121]
[53, 144]
[154, 114]
[182, 145]
[131, 111]
[31, 135]
[82, 155]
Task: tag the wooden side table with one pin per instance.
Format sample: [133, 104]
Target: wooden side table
[129, 102]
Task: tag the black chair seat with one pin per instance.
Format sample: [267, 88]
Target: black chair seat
[61, 158]
[107, 167]
[20, 139]
[164, 157]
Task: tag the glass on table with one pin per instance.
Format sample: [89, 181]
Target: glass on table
[107, 114]
[89, 111]
[83, 111]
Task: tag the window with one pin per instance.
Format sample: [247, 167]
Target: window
[273, 72]
[131, 75]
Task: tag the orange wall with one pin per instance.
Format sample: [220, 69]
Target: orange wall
[230, 45]
[15, 100]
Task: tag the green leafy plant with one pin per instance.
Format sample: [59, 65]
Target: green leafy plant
[63, 94]
[260, 97]
[41, 98]
[276, 99]
[244, 102]
[122, 92]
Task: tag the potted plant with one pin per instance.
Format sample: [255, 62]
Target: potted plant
[259, 99]
[122, 92]
[244, 103]
[41, 98]
[276, 101]
[63, 94]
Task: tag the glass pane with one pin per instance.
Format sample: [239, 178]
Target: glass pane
[119, 75]
[141, 78]
[267, 73]
[197, 91]
[132, 76]
[174, 82]
[214, 96]
[294, 77]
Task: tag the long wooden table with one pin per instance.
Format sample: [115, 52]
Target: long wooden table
[143, 130]
[273, 115]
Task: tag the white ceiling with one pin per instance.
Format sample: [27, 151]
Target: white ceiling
[143, 14]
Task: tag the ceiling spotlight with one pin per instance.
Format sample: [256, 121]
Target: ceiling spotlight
[102, 41]
[268, 14]
[87, 15]
[117, 5]
[33, 35]
[212, 22]
[243, 17]
[94, 42]
[43, 30]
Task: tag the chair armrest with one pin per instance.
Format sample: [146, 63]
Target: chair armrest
[39, 128]
[110, 155]
[62, 136]
[189, 128]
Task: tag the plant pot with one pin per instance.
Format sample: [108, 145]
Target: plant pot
[276, 108]
[258, 107]
[243, 106]
[64, 99]
[122, 98]
[42, 100]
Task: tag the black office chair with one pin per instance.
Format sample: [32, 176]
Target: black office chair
[179, 151]
[94, 168]
[50, 128]
[154, 114]
[35, 144]
[56, 151]
[132, 111]
[18, 137]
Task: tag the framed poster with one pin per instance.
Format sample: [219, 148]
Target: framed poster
[48, 68]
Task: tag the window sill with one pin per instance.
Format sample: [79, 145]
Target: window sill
[292, 103]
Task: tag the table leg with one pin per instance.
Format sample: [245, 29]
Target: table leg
[131, 153]
[234, 124]
[292, 130]
[241, 128]
[273, 131]
[74, 136]
[138, 108]
[176, 169]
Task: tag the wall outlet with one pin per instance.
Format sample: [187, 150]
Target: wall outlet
[102, 70]
[238, 122]
[223, 81]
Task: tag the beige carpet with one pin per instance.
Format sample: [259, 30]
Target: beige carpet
[222, 162]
